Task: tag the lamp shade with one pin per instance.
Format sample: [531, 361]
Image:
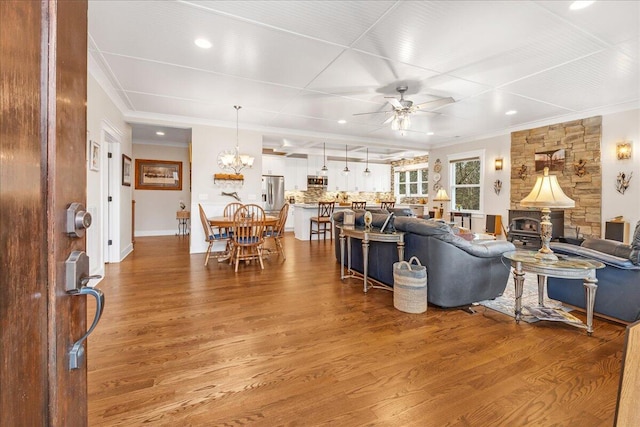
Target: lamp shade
[546, 193]
[441, 196]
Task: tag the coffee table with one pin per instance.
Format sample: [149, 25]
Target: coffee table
[566, 267]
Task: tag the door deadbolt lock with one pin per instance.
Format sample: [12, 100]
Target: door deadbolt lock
[78, 220]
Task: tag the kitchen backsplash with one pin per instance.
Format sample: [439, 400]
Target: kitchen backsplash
[315, 195]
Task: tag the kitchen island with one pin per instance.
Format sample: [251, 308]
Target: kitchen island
[304, 212]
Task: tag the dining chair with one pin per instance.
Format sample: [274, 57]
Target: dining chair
[325, 210]
[387, 205]
[275, 232]
[229, 212]
[211, 234]
[248, 234]
[358, 205]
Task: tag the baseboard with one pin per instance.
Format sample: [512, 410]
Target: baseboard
[149, 233]
[126, 251]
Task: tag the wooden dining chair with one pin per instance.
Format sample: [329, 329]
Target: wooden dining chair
[358, 205]
[211, 234]
[248, 234]
[387, 205]
[325, 210]
[275, 232]
[229, 212]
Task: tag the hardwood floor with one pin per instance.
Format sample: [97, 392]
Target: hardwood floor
[183, 344]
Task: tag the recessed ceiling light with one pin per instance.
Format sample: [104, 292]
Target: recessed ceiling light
[429, 133]
[203, 43]
[160, 133]
[511, 112]
[577, 5]
[342, 121]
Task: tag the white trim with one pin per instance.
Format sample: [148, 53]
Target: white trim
[456, 157]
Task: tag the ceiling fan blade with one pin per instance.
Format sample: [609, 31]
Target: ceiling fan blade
[435, 104]
[396, 104]
[373, 112]
[389, 119]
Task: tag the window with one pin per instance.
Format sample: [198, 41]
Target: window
[466, 177]
[413, 181]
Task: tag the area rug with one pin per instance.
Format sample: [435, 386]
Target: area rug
[506, 302]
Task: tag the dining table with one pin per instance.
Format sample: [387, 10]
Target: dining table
[227, 222]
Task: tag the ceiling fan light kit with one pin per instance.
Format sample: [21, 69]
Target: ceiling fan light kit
[403, 109]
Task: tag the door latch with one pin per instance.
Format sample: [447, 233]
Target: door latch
[77, 277]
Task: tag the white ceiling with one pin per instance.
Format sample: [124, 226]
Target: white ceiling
[298, 67]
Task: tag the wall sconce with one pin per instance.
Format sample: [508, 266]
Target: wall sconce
[498, 163]
[623, 150]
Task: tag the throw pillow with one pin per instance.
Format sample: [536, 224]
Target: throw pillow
[634, 256]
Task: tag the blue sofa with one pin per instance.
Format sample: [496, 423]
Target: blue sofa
[618, 294]
[459, 272]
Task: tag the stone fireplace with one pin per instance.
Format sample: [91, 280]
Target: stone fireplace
[581, 141]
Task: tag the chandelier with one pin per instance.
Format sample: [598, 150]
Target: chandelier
[232, 160]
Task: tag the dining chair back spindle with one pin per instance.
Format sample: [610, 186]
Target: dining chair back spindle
[248, 234]
[322, 221]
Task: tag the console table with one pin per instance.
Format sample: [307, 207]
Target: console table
[374, 235]
[566, 267]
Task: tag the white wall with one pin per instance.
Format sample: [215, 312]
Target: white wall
[103, 114]
[616, 128]
[206, 143]
[156, 209]
[491, 203]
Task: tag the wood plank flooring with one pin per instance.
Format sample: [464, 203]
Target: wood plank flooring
[182, 344]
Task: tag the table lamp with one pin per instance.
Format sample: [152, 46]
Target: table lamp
[547, 194]
[441, 196]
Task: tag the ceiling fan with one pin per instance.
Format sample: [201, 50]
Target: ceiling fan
[403, 108]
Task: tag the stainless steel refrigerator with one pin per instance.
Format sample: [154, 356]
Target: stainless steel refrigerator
[272, 193]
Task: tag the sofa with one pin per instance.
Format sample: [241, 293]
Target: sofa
[459, 272]
[618, 294]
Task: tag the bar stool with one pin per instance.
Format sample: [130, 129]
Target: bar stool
[325, 210]
[387, 205]
[358, 205]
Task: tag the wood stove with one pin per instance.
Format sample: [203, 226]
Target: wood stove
[524, 226]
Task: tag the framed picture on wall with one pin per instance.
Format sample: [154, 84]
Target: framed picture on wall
[126, 170]
[553, 159]
[158, 175]
[94, 155]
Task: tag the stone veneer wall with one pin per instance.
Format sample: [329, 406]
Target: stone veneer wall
[581, 141]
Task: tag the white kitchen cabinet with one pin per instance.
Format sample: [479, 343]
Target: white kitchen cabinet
[295, 174]
[336, 180]
[314, 164]
[273, 165]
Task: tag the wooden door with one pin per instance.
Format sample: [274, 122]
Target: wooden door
[43, 84]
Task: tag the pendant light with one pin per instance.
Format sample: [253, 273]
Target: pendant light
[346, 170]
[324, 169]
[367, 172]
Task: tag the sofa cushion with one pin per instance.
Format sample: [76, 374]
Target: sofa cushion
[610, 247]
[634, 254]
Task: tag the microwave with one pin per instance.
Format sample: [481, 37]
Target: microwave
[315, 181]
